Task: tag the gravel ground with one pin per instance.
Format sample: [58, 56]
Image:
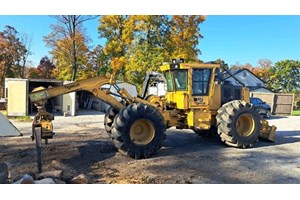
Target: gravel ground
[82, 146]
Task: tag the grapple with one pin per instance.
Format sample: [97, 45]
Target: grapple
[267, 132]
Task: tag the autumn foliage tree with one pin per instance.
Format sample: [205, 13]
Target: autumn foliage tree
[45, 68]
[147, 50]
[185, 35]
[118, 33]
[13, 55]
[138, 44]
[63, 59]
[98, 60]
[263, 71]
[69, 46]
[32, 73]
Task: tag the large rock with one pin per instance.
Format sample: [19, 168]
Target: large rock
[3, 173]
[68, 172]
[45, 181]
[50, 174]
[26, 179]
[80, 179]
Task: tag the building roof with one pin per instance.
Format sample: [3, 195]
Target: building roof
[225, 75]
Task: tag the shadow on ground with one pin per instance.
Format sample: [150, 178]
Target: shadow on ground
[194, 159]
[282, 137]
[91, 152]
[276, 117]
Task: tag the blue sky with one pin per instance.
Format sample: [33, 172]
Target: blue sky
[243, 39]
[246, 39]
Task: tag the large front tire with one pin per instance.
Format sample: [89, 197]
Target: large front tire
[138, 131]
[238, 124]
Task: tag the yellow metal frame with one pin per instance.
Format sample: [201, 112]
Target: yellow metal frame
[199, 113]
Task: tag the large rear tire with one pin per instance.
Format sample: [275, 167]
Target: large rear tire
[109, 119]
[238, 124]
[138, 131]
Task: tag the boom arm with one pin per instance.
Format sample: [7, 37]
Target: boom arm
[91, 85]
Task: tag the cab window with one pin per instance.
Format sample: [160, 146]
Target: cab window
[201, 78]
[170, 86]
[180, 79]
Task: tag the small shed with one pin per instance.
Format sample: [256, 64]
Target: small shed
[18, 102]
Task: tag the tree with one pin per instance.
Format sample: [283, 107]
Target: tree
[118, 32]
[12, 51]
[99, 60]
[185, 35]
[26, 41]
[222, 63]
[238, 65]
[147, 50]
[137, 44]
[69, 30]
[285, 76]
[45, 68]
[32, 72]
[63, 59]
[263, 71]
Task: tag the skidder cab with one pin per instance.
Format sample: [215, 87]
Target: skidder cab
[197, 100]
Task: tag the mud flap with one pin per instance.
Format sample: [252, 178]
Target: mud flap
[267, 132]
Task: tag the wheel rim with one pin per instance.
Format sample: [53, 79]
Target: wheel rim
[245, 124]
[142, 132]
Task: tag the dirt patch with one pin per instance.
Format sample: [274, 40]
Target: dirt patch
[81, 146]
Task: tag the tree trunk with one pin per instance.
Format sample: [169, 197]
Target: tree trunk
[74, 65]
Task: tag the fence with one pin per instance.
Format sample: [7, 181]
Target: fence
[281, 104]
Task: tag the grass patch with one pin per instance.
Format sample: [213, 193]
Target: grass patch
[296, 113]
[22, 118]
